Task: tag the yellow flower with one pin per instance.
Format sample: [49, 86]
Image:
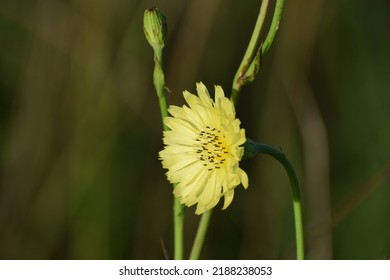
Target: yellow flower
[203, 149]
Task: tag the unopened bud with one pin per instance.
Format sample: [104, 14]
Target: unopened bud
[155, 27]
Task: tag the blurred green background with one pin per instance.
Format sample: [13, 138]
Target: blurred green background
[80, 128]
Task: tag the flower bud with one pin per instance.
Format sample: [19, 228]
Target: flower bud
[155, 27]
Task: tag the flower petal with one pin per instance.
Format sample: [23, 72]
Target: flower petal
[204, 95]
[203, 148]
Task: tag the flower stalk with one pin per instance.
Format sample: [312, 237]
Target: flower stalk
[252, 149]
[200, 235]
[155, 29]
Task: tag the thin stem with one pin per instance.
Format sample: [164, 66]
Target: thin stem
[274, 27]
[250, 53]
[281, 157]
[200, 235]
[159, 83]
[178, 209]
[178, 223]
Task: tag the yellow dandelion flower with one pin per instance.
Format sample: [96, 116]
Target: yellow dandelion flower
[203, 149]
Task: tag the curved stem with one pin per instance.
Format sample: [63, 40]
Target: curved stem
[251, 149]
[274, 27]
[281, 157]
[200, 235]
[250, 53]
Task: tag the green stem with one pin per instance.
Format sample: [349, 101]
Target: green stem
[159, 83]
[274, 27]
[254, 44]
[200, 235]
[281, 157]
[250, 53]
[178, 223]
[178, 209]
[251, 149]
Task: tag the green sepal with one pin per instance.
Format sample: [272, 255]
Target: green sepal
[250, 149]
[155, 27]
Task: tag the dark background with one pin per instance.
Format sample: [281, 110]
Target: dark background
[80, 128]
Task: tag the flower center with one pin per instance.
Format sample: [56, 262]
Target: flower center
[211, 148]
